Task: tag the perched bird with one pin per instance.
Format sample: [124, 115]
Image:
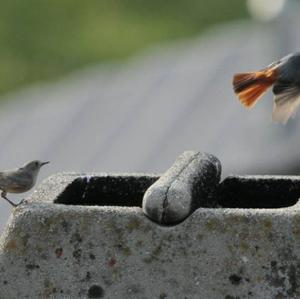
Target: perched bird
[19, 180]
[283, 75]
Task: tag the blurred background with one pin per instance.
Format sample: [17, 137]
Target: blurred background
[126, 86]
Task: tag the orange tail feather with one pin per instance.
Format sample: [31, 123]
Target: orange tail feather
[251, 86]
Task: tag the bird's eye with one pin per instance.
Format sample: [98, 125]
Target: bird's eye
[36, 164]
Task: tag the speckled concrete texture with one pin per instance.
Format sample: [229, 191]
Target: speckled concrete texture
[51, 250]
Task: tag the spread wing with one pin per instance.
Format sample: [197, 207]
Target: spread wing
[287, 101]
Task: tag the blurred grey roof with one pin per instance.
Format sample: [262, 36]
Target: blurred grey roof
[140, 116]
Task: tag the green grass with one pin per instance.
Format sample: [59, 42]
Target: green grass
[44, 39]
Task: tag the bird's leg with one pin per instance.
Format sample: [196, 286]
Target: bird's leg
[3, 195]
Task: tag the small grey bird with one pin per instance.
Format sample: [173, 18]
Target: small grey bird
[19, 180]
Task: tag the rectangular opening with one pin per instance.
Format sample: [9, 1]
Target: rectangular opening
[233, 192]
[124, 191]
[259, 192]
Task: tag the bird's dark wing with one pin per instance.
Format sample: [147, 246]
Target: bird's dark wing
[282, 86]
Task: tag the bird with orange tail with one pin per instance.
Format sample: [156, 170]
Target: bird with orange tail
[283, 75]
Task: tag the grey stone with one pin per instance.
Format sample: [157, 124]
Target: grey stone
[54, 250]
[190, 183]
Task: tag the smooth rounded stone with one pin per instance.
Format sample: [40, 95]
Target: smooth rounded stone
[190, 183]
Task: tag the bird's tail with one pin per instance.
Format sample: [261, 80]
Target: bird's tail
[251, 86]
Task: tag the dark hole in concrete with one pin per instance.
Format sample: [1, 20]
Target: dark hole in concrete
[235, 279]
[259, 192]
[95, 291]
[233, 192]
[126, 191]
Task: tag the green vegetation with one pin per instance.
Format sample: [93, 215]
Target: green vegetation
[43, 39]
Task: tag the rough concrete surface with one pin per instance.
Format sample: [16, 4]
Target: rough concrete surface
[53, 250]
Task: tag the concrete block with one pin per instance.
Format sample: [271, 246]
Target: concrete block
[191, 182]
[62, 243]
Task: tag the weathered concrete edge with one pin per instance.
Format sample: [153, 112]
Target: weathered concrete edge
[45, 209]
[52, 186]
[41, 202]
[262, 177]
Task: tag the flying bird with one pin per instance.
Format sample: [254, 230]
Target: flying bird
[283, 75]
[19, 180]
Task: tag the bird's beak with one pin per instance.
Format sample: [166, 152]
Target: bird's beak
[44, 163]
